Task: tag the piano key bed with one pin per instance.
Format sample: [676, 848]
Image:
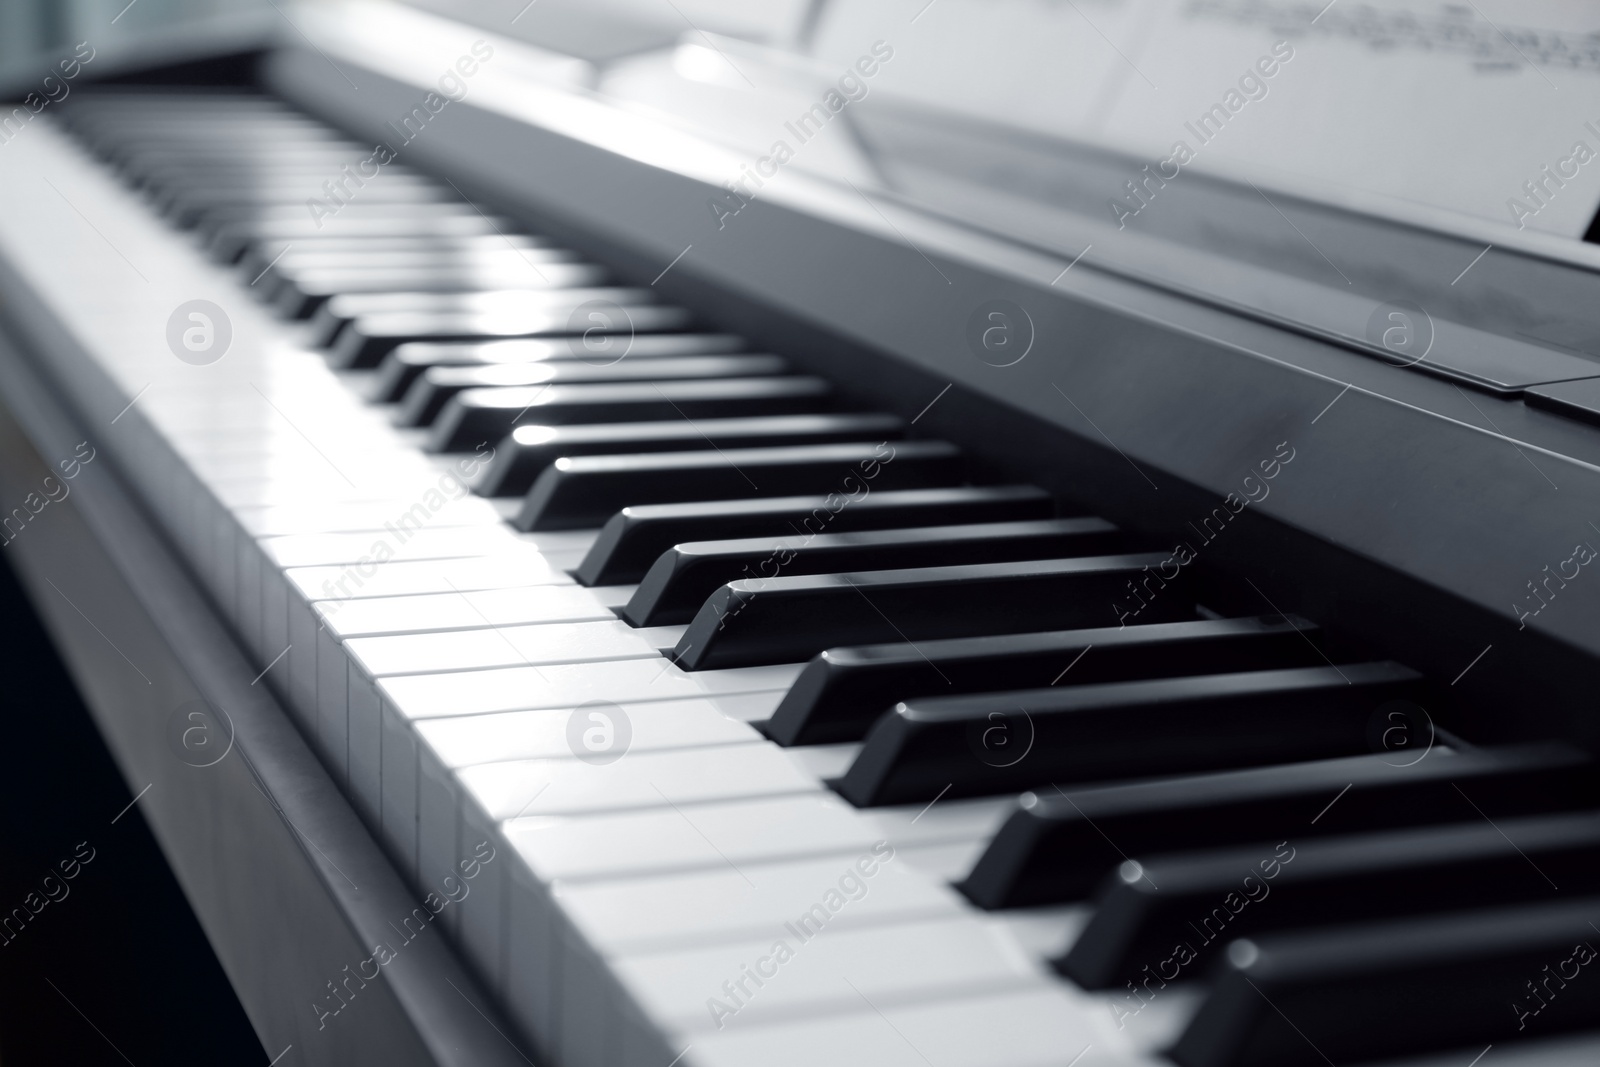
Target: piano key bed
[792, 740]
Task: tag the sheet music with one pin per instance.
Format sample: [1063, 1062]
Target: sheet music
[1489, 110]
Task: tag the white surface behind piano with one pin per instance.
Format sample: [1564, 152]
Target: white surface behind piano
[1422, 105]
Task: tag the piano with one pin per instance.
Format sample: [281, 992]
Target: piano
[816, 534]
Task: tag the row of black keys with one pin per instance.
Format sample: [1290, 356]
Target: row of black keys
[1157, 699]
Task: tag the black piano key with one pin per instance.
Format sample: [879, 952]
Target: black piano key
[585, 491]
[786, 620]
[843, 690]
[406, 364]
[1202, 899]
[307, 294]
[1056, 847]
[333, 316]
[1031, 738]
[631, 540]
[364, 342]
[679, 582]
[520, 458]
[429, 394]
[1390, 989]
[487, 415]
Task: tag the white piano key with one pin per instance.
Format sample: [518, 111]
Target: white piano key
[531, 968]
[338, 581]
[825, 761]
[587, 1030]
[425, 696]
[227, 540]
[386, 741]
[792, 973]
[231, 400]
[312, 550]
[688, 836]
[560, 540]
[971, 819]
[248, 453]
[301, 479]
[361, 438]
[485, 913]
[1150, 1027]
[550, 956]
[687, 909]
[295, 518]
[349, 429]
[437, 823]
[333, 702]
[333, 493]
[388, 744]
[247, 610]
[546, 644]
[664, 638]
[614, 596]
[527, 735]
[223, 429]
[571, 785]
[426, 576]
[1046, 1026]
[1042, 933]
[948, 862]
[748, 707]
[379, 736]
[301, 662]
[466, 610]
[275, 640]
[363, 719]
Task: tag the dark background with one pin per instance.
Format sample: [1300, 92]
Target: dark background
[122, 945]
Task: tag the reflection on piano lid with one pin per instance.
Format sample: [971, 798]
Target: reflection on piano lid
[1293, 96]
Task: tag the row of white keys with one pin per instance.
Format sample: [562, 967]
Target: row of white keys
[699, 803]
[721, 837]
[664, 901]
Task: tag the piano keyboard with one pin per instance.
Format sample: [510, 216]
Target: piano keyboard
[717, 666]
